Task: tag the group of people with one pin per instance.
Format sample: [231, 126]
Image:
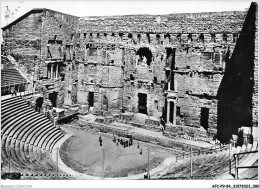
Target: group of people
[9, 90]
[123, 142]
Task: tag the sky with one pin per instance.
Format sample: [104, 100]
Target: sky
[123, 7]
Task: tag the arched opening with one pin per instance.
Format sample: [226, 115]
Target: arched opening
[145, 56]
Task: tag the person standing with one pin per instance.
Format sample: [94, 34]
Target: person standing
[141, 151]
[114, 138]
[162, 124]
[55, 116]
[240, 137]
[131, 140]
[100, 141]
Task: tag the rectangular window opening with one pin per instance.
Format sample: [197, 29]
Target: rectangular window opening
[204, 118]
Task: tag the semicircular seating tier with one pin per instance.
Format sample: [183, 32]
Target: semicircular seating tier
[28, 138]
[11, 77]
[213, 164]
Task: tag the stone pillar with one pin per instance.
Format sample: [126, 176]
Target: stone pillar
[168, 112]
[51, 71]
[174, 113]
[57, 66]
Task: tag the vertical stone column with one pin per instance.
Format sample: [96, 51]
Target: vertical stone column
[168, 112]
[220, 59]
[174, 113]
[51, 71]
[57, 67]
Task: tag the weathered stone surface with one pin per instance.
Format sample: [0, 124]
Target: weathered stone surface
[107, 62]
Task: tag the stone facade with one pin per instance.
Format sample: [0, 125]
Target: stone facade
[169, 66]
[38, 41]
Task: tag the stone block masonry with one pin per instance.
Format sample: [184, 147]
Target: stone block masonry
[159, 65]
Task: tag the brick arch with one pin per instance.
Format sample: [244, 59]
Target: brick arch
[145, 52]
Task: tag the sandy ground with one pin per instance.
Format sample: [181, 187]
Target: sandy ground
[83, 153]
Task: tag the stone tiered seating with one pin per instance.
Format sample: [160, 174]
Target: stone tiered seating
[11, 77]
[212, 165]
[204, 165]
[28, 138]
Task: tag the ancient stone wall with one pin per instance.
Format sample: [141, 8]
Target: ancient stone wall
[119, 57]
[255, 92]
[215, 22]
[71, 80]
[27, 39]
[22, 41]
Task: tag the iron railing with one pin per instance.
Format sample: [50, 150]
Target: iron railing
[236, 157]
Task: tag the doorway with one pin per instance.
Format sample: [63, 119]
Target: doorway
[91, 99]
[142, 101]
[171, 111]
[204, 118]
[53, 98]
[38, 104]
